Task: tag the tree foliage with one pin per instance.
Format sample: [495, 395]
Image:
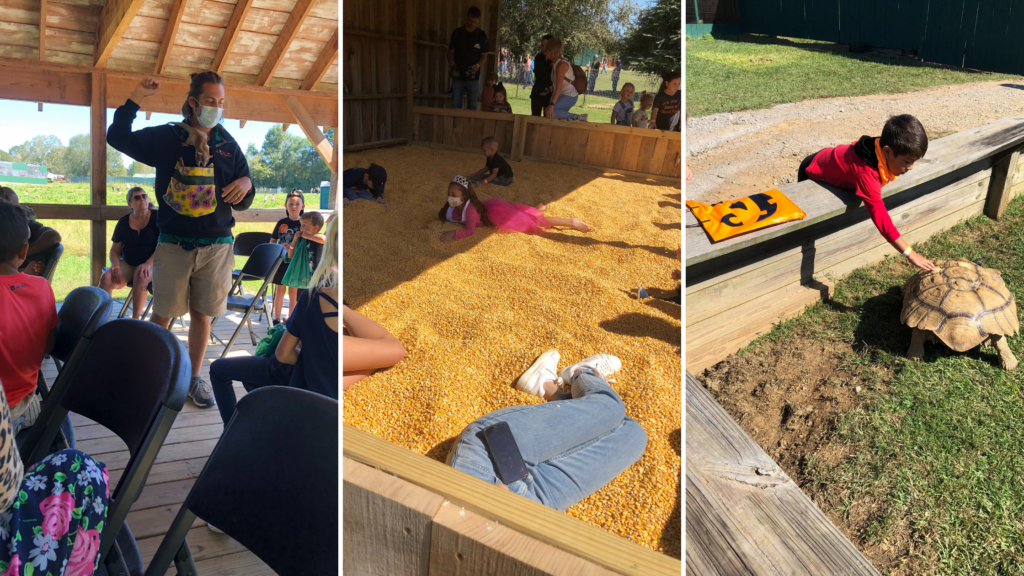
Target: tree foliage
[287, 161]
[581, 24]
[46, 150]
[137, 167]
[77, 156]
[655, 44]
[6, 156]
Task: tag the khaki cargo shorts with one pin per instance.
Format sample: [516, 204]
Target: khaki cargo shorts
[199, 279]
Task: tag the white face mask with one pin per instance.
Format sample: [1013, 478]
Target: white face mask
[209, 116]
[454, 202]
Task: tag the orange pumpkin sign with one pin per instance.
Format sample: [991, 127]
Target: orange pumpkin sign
[733, 217]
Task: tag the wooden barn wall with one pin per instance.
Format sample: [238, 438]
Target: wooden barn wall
[464, 130]
[374, 72]
[652, 152]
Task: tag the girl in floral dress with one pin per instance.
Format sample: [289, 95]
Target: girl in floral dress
[53, 512]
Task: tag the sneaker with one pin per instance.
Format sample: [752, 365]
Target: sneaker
[582, 117]
[605, 365]
[214, 528]
[544, 369]
[200, 393]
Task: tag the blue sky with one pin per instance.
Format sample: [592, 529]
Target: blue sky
[22, 121]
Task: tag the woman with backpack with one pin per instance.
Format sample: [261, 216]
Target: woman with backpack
[564, 80]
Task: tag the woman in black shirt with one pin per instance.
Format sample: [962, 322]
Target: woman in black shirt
[131, 254]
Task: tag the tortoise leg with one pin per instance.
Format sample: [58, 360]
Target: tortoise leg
[916, 351]
[1006, 358]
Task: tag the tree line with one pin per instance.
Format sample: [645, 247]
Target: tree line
[284, 160]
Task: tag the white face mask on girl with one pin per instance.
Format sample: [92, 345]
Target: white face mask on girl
[454, 202]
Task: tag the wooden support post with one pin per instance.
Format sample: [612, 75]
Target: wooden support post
[332, 200]
[517, 129]
[241, 123]
[177, 10]
[42, 29]
[98, 180]
[410, 61]
[320, 142]
[519, 147]
[284, 127]
[149, 115]
[40, 106]
[1000, 185]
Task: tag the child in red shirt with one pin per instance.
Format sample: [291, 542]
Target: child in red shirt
[29, 326]
[867, 165]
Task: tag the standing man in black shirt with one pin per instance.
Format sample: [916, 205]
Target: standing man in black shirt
[466, 56]
[540, 97]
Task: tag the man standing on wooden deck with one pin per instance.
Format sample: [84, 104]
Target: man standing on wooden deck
[204, 177]
[466, 54]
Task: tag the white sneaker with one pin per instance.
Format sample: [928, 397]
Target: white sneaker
[582, 117]
[605, 365]
[544, 369]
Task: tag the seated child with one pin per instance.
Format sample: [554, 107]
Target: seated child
[29, 312]
[309, 242]
[497, 171]
[622, 112]
[642, 117]
[500, 103]
[364, 183]
[867, 165]
[42, 239]
[487, 94]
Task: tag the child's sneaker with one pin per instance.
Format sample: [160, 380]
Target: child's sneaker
[605, 365]
[544, 369]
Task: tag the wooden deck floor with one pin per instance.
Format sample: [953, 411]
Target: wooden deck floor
[182, 457]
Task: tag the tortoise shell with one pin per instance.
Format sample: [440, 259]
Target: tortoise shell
[960, 302]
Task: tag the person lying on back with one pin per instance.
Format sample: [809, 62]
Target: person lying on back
[867, 165]
[29, 312]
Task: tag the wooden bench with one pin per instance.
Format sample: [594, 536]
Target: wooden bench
[738, 288]
[744, 515]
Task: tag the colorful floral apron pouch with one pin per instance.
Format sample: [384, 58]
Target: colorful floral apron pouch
[733, 217]
[192, 191]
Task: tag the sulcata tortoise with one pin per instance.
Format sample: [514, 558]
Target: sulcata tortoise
[963, 305]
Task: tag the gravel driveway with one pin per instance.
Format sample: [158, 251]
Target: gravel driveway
[740, 153]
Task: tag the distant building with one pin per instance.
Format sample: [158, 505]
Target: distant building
[20, 173]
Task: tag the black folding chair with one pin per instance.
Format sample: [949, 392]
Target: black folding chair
[84, 310]
[138, 402]
[262, 264]
[51, 262]
[245, 243]
[245, 489]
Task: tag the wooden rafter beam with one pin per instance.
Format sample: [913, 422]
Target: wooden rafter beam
[231, 34]
[284, 40]
[316, 137]
[42, 29]
[327, 57]
[114, 21]
[177, 9]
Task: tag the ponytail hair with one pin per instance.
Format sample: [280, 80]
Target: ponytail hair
[195, 90]
[666, 78]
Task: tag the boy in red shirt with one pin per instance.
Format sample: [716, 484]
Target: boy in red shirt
[867, 165]
[28, 328]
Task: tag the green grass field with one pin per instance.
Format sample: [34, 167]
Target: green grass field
[74, 266]
[935, 446]
[598, 108]
[747, 72]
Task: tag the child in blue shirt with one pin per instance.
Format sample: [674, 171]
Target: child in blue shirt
[622, 112]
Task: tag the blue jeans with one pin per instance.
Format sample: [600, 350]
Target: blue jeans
[353, 194]
[469, 88]
[563, 105]
[572, 446]
[252, 371]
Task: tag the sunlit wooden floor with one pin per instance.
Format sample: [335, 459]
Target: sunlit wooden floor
[179, 463]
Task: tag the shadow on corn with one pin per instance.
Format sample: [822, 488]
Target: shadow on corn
[590, 241]
[671, 541]
[642, 325]
[440, 451]
[669, 225]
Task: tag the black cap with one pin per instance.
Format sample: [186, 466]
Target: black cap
[379, 177]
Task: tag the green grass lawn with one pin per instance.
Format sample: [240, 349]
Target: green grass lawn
[936, 443]
[74, 266]
[746, 72]
[597, 107]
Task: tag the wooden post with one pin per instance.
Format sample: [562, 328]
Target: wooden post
[518, 148]
[332, 201]
[1000, 185]
[241, 124]
[42, 30]
[98, 196]
[410, 60]
[317, 138]
[517, 128]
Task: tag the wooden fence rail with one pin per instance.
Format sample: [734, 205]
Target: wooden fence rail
[738, 288]
[407, 514]
[631, 151]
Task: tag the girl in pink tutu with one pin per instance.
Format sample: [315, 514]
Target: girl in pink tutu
[463, 206]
